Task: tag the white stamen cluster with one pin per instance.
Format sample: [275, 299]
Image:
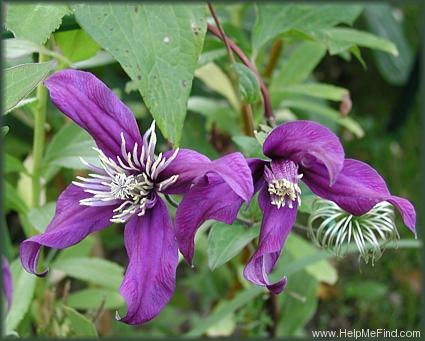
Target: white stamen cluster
[284, 192]
[333, 228]
[129, 181]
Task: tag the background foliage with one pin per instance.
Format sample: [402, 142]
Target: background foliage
[345, 66]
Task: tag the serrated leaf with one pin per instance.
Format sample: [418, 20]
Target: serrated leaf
[158, 46]
[22, 79]
[250, 146]
[248, 83]
[23, 291]
[80, 325]
[94, 270]
[41, 216]
[275, 19]
[93, 299]
[226, 241]
[34, 22]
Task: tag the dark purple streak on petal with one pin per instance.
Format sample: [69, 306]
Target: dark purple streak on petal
[150, 277]
[209, 198]
[93, 106]
[275, 228]
[308, 144]
[71, 223]
[358, 188]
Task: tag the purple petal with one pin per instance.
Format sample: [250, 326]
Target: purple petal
[257, 170]
[358, 188]
[275, 227]
[150, 277]
[306, 143]
[71, 223]
[7, 282]
[210, 198]
[190, 165]
[92, 105]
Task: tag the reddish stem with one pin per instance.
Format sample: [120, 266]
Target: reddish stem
[268, 111]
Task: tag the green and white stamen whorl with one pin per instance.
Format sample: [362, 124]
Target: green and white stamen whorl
[332, 228]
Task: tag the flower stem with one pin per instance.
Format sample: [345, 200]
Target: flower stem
[268, 111]
[246, 108]
[274, 57]
[38, 141]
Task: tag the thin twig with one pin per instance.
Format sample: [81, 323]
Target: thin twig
[222, 34]
[274, 57]
[268, 111]
[245, 107]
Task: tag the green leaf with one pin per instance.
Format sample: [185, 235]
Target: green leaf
[13, 165]
[381, 21]
[158, 46]
[299, 248]
[79, 324]
[340, 39]
[23, 291]
[249, 146]
[76, 45]
[4, 130]
[367, 290]
[82, 249]
[297, 304]
[40, 217]
[217, 80]
[93, 299]
[18, 47]
[247, 295]
[12, 199]
[217, 112]
[226, 241]
[327, 112]
[66, 147]
[94, 270]
[248, 83]
[22, 79]
[319, 90]
[34, 22]
[275, 19]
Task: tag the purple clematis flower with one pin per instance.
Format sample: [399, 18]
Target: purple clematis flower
[7, 282]
[126, 188]
[311, 152]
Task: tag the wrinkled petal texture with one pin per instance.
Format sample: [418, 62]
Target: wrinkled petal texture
[209, 198]
[150, 277]
[93, 106]
[190, 165]
[7, 282]
[275, 228]
[307, 143]
[358, 189]
[71, 223]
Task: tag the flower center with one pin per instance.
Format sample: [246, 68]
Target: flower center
[282, 178]
[130, 183]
